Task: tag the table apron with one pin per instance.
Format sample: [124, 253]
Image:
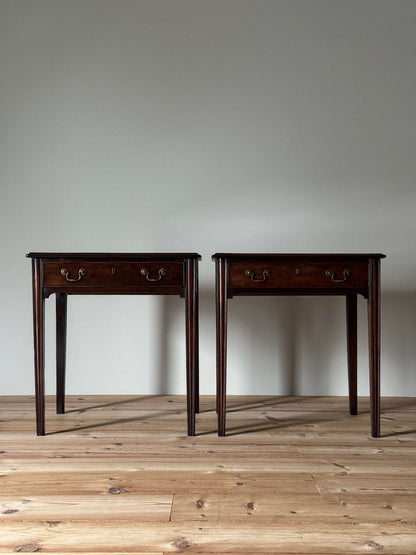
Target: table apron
[151, 290]
[294, 291]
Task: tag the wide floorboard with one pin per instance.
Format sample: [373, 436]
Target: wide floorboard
[118, 474]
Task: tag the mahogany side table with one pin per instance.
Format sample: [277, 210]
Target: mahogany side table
[111, 274]
[304, 274]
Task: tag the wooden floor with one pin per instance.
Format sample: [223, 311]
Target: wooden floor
[294, 475]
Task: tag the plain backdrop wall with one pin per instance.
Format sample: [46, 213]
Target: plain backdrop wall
[208, 125]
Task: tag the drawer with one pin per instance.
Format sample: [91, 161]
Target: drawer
[291, 274]
[116, 274]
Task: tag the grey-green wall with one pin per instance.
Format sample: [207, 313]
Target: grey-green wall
[208, 125]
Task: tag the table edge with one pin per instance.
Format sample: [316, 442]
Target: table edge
[102, 256]
[244, 257]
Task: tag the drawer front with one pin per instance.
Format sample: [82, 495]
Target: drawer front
[292, 275]
[117, 274]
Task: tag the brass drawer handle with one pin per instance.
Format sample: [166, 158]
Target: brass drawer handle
[81, 272]
[331, 274]
[145, 272]
[251, 273]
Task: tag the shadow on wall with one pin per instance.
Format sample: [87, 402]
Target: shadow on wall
[170, 362]
[398, 343]
[288, 345]
[260, 345]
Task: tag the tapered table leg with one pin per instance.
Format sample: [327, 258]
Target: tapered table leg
[61, 311]
[191, 308]
[196, 338]
[39, 345]
[374, 343]
[221, 269]
[352, 351]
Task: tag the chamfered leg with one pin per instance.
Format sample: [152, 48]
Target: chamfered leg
[351, 305]
[374, 344]
[39, 344]
[221, 319]
[61, 319]
[196, 337]
[191, 309]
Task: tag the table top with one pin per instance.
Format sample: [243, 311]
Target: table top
[280, 257]
[106, 256]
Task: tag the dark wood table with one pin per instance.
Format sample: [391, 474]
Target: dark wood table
[304, 274]
[111, 274]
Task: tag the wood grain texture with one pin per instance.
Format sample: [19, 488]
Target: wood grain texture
[294, 475]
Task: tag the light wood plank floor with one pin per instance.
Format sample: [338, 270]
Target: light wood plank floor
[294, 475]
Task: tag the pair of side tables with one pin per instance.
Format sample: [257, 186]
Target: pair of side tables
[66, 274]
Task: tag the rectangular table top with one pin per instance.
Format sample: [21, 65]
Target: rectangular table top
[279, 257]
[104, 256]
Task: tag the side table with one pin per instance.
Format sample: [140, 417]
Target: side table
[304, 274]
[111, 274]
